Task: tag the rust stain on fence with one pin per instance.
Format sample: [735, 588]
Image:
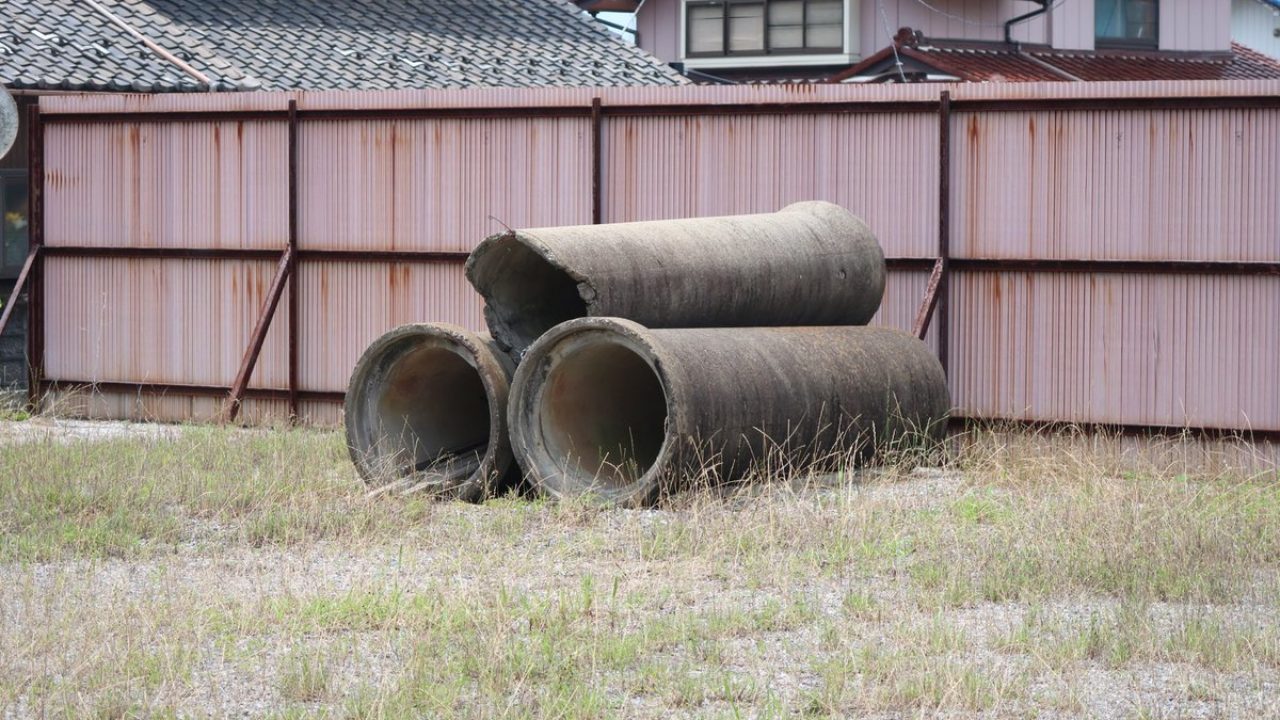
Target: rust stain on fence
[1117, 172]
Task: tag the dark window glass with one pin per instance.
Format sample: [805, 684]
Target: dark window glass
[14, 223]
[1127, 22]
[755, 27]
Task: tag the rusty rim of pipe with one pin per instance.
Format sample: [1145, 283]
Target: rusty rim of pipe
[543, 399]
[382, 389]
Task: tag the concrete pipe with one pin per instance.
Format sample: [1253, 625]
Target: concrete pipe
[609, 407]
[812, 263]
[426, 410]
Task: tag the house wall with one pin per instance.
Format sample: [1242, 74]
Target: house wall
[1203, 25]
[658, 28]
[1186, 25]
[1160, 181]
[1254, 23]
[1071, 25]
[955, 19]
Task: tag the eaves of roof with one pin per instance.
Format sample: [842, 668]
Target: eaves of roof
[971, 62]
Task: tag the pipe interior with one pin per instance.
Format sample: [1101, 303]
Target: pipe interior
[603, 415]
[531, 295]
[432, 414]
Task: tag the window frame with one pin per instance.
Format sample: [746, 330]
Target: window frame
[767, 51]
[1128, 43]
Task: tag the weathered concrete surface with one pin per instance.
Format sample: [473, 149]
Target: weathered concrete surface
[813, 263]
[426, 410]
[605, 405]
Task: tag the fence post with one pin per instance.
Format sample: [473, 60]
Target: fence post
[35, 238]
[944, 228]
[596, 162]
[293, 251]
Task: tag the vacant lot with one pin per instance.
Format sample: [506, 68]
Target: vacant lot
[246, 573]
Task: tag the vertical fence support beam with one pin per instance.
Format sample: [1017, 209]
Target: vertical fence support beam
[293, 251]
[597, 207]
[944, 229]
[268, 313]
[35, 237]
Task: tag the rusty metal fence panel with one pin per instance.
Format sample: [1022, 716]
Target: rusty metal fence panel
[158, 321]
[158, 184]
[1108, 253]
[335, 328]
[697, 165]
[439, 184]
[1195, 185]
[1172, 350]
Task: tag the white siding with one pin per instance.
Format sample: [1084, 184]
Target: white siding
[1071, 25]
[1254, 23]
[1195, 25]
[955, 19]
[658, 28]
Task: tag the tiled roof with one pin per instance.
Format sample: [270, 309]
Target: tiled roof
[986, 65]
[300, 44]
[68, 45]
[997, 62]
[1242, 64]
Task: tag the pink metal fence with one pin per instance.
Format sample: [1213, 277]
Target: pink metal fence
[1110, 253]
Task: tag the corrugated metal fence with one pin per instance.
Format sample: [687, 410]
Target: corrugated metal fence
[1110, 252]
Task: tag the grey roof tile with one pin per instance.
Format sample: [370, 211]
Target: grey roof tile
[298, 44]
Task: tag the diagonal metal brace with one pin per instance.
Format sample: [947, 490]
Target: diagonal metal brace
[17, 288]
[937, 280]
[283, 272]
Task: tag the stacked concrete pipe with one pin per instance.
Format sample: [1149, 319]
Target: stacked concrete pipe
[812, 263]
[653, 352]
[426, 410]
[648, 352]
[610, 407]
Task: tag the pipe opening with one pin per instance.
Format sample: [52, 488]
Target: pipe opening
[603, 415]
[533, 295]
[430, 415]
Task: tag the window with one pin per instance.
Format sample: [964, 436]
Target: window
[763, 27]
[1127, 22]
[13, 222]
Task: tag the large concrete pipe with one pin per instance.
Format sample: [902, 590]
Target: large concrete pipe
[813, 263]
[426, 408]
[609, 407]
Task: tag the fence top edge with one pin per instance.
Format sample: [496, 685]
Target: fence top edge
[551, 99]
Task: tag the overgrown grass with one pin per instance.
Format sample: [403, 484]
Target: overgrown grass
[141, 578]
[130, 497]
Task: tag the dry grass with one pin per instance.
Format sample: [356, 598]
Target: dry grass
[231, 572]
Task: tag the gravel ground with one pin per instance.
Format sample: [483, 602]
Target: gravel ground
[242, 679]
[62, 622]
[39, 429]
